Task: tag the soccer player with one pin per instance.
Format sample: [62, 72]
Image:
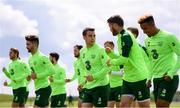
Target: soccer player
[115, 78]
[17, 72]
[135, 70]
[41, 68]
[79, 74]
[58, 82]
[94, 60]
[162, 47]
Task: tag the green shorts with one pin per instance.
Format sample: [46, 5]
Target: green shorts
[58, 100]
[165, 90]
[81, 94]
[115, 94]
[19, 95]
[42, 97]
[98, 96]
[137, 90]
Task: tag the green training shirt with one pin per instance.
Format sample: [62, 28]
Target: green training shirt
[58, 84]
[115, 76]
[17, 72]
[130, 57]
[164, 52]
[79, 72]
[42, 66]
[94, 60]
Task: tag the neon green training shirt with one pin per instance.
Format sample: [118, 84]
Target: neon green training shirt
[130, 57]
[58, 84]
[42, 66]
[79, 72]
[115, 76]
[164, 52]
[94, 60]
[17, 72]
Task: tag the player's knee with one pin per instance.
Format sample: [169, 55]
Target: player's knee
[162, 103]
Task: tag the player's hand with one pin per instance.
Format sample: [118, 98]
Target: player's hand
[148, 83]
[68, 80]
[80, 87]
[167, 78]
[4, 69]
[28, 78]
[33, 75]
[108, 50]
[5, 83]
[89, 78]
[51, 79]
[108, 62]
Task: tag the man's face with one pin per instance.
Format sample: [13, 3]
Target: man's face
[147, 29]
[90, 38]
[76, 52]
[12, 55]
[108, 45]
[51, 59]
[113, 28]
[30, 46]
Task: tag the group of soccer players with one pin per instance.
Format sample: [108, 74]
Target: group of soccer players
[106, 78]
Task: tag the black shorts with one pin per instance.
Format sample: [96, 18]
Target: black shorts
[42, 97]
[98, 96]
[58, 100]
[19, 95]
[165, 90]
[115, 94]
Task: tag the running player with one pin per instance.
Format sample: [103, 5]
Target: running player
[41, 68]
[162, 47]
[58, 82]
[18, 71]
[94, 60]
[135, 70]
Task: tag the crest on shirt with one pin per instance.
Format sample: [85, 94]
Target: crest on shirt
[44, 62]
[93, 56]
[160, 43]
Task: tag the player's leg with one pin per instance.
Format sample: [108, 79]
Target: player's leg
[127, 94]
[118, 96]
[167, 91]
[100, 99]
[87, 100]
[142, 93]
[111, 101]
[80, 99]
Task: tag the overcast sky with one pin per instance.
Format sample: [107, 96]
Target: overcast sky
[59, 24]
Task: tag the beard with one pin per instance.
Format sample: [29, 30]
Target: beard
[29, 50]
[114, 32]
[76, 55]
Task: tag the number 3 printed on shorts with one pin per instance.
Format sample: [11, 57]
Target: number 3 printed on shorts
[155, 54]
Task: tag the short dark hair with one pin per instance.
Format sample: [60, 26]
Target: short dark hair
[116, 19]
[78, 46]
[134, 30]
[109, 42]
[146, 19]
[55, 55]
[32, 38]
[15, 50]
[87, 29]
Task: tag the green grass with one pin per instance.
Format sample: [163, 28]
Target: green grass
[5, 101]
